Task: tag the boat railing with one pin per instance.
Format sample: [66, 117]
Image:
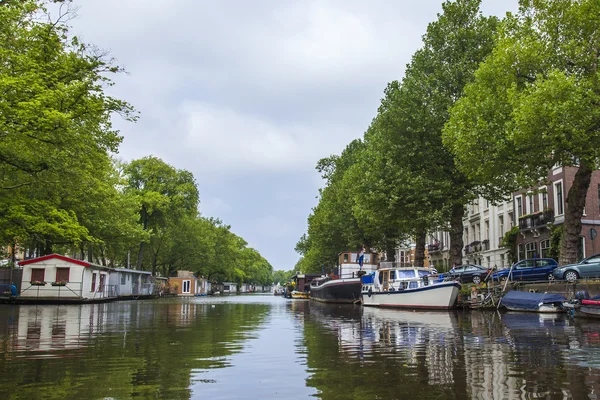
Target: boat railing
[400, 265]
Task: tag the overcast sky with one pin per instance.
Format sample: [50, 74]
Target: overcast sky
[249, 94]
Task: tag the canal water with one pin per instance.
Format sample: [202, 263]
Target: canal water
[267, 347]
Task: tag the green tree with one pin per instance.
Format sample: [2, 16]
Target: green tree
[409, 181]
[55, 126]
[534, 104]
[165, 195]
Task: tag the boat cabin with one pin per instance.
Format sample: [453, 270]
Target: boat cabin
[393, 279]
[132, 282]
[302, 281]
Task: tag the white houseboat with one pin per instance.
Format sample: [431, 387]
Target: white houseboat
[56, 278]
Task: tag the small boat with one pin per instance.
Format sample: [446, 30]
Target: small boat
[344, 287]
[515, 300]
[300, 295]
[408, 287]
[583, 306]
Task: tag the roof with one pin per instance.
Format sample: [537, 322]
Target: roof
[135, 271]
[63, 258]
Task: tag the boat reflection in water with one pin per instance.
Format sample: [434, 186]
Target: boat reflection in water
[379, 353]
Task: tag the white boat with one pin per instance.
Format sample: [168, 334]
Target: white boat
[408, 287]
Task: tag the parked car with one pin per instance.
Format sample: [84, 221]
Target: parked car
[587, 268]
[531, 269]
[467, 273]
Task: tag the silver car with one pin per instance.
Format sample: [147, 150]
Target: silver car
[587, 268]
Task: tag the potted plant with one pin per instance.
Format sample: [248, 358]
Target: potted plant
[59, 283]
[38, 283]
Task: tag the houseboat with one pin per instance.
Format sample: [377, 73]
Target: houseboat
[345, 286]
[408, 287]
[56, 278]
[132, 283]
[301, 285]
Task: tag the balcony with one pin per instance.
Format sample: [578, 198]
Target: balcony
[537, 220]
[435, 248]
[473, 247]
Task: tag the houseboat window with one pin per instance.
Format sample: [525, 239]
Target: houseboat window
[403, 285]
[123, 278]
[94, 282]
[62, 274]
[367, 259]
[413, 285]
[225, 287]
[101, 285]
[346, 258]
[380, 278]
[423, 273]
[392, 275]
[37, 274]
[185, 287]
[406, 274]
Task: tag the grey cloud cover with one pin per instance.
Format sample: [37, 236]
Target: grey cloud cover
[249, 95]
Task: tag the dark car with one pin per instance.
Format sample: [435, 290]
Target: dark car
[531, 269]
[587, 268]
[467, 273]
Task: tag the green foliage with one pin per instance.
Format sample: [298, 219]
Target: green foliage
[60, 190]
[533, 104]
[556, 234]
[509, 241]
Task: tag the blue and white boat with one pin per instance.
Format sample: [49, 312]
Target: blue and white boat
[515, 300]
[408, 287]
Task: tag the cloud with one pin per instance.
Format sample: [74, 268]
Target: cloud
[249, 95]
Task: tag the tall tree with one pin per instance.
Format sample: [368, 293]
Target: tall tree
[534, 104]
[165, 195]
[55, 125]
[411, 180]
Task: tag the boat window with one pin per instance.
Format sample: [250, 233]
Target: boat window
[413, 285]
[345, 258]
[423, 273]
[380, 278]
[406, 274]
[392, 275]
[403, 285]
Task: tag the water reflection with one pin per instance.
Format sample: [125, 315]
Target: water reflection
[261, 347]
[145, 349]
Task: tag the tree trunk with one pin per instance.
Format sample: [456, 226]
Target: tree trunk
[390, 250]
[420, 248]
[140, 257]
[574, 205]
[456, 234]
[90, 256]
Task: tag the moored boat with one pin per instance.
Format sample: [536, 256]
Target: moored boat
[583, 306]
[515, 300]
[300, 295]
[408, 287]
[345, 286]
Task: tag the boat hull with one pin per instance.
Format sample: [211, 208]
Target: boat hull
[435, 297]
[337, 291]
[300, 295]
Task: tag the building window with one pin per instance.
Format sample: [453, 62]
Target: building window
[38, 274]
[559, 202]
[543, 198]
[531, 250]
[520, 252]
[544, 248]
[185, 286]
[123, 278]
[530, 205]
[487, 230]
[101, 284]
[62, 274]
[94, 282]
[501, 225]
[519, 206]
